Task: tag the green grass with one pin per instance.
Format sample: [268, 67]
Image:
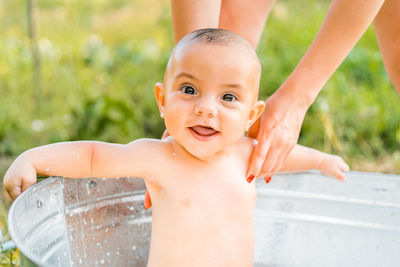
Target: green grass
[100, 60]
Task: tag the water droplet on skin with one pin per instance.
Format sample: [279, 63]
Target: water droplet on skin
[77, 156]
[80, 261]
[117, 252]
[91, 220]
[133, 247]
[102, 261]
[47, 169]
[106, 230]
[131, 208]
[174, 154]
[108, 253]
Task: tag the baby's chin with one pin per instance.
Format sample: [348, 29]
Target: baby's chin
[203, 152]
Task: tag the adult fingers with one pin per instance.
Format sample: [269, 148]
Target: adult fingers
[254, 129]
[257, 159]
[275, 159]
[272, 164]
[147, 200]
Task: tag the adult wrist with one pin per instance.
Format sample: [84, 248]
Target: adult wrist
[295, 103]
[299, 94]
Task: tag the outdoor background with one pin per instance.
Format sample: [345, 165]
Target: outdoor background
[89, 68]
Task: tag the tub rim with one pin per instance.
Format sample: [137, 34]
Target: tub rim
[12, 230]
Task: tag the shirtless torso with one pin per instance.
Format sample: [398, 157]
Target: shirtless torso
[202, 211]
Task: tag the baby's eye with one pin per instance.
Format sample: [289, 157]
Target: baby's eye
[229, 97]
[189, 90]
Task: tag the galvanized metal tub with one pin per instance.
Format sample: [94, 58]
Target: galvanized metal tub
[302, 219]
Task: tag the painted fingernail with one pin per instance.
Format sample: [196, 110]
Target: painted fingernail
[267, 179]
[250, 178]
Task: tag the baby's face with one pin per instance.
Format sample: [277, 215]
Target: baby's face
[209, 98]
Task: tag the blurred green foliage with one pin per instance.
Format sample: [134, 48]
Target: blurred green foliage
[100, 60]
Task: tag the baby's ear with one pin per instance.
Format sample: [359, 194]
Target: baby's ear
[255, 113]
[160, 97]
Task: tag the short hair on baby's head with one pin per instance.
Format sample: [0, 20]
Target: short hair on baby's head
[218, 37]
[214, 36]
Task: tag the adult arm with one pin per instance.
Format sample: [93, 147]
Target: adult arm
[387, 28]
[190, 15]
[278, 128]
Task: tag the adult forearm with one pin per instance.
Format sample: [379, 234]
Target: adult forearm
[343, 26]
[387, 27]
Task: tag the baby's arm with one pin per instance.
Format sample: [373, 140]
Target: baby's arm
[80, 159]
[303, 158]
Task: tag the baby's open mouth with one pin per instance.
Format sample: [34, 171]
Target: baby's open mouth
[202, 132]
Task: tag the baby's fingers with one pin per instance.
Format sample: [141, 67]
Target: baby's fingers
[26, 183]
[12, 189]
[344, 167]
[338, 174]
[18, 178]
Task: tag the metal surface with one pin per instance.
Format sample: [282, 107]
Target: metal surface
[303, 219]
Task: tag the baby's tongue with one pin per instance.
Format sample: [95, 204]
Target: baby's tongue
[201, 130]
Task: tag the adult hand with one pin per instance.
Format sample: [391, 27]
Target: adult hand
[277, 132]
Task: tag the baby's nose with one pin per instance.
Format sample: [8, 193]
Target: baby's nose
[206, 107]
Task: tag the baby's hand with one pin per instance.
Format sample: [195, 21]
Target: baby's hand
[18, 178]
[333, 166]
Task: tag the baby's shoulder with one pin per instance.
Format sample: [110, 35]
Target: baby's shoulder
[245, 146]
[148, 148]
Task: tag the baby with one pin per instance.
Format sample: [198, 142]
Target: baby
[203, 206]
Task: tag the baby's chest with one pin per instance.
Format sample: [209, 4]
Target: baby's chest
[222, 188]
